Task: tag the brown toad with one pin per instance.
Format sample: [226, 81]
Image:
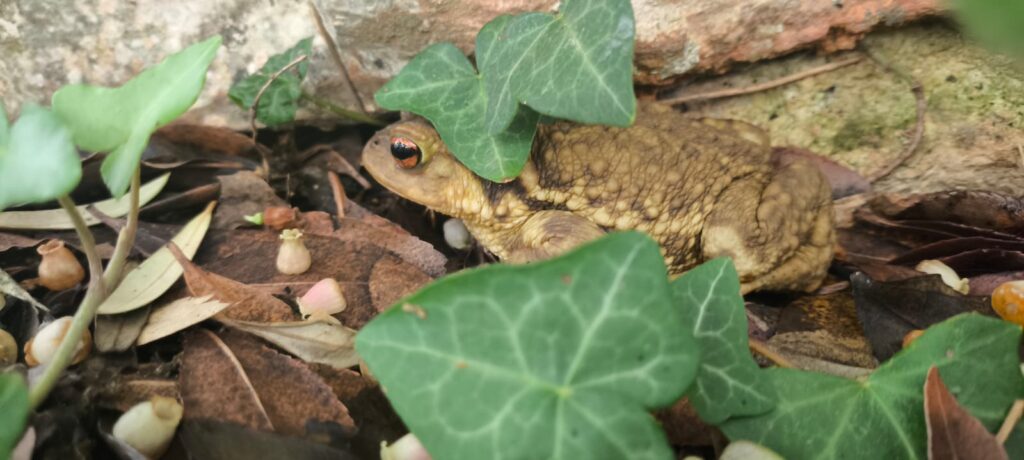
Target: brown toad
[702, 188]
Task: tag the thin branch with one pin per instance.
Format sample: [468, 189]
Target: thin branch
[921, 107]
[1010, 421]
[335, 52]
[341, 111]
[338, 191]
[126, 237]
[766, 350]
[83, 317]
[259, 94]
[762, 86]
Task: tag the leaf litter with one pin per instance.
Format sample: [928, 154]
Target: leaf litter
[254, 375]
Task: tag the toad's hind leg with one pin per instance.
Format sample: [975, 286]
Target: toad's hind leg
[779, 235]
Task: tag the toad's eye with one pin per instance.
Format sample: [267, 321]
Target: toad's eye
[406, 152]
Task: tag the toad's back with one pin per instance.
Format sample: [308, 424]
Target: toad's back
[663, 175]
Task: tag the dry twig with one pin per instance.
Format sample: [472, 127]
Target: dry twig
[762, 86]
[766, 350]
[339, 193]
[921, 107]
[1010, 421]
[335, 52]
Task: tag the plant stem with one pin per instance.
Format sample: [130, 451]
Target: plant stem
[86, 311]
[126, 238]
[766, 350]
[341, 111]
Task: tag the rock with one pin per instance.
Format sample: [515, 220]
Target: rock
[46, 45]
[862, 115]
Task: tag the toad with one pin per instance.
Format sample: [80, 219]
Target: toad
[702, 188]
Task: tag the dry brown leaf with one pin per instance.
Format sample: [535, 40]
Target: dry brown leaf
[247, 303]
[209, 440]
[12, 241]
[953, 433]
[311, 341]
[214, 386]
[409, 248]
[372, 412]
[683, 426]
[243, 193]
[392, 280]
[296, 398]
[248, 257]
[179, 315]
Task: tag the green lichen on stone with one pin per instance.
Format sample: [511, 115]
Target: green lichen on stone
[863, 115]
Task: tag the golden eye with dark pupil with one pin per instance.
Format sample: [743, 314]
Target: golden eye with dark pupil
[406, 152]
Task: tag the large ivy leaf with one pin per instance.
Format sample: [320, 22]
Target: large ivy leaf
[280, 100]
[576, 64]
[13, 411]
[441, 85]
[120, 120]
[557, 359]
[822, 416]
[38, 161]
[727, 382]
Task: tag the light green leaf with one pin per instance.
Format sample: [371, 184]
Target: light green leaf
[57, 219]
[120, 120]
[996, 23]
[155, 275]
[280, 100]
[13, 411]
[556, 359]
[822, 416]
[441, 85]
[38, 162]
[576, 64]
[727, 382]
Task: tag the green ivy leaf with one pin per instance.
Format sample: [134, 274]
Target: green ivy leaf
[576, 64]
[37, 146]
[280, 101]
[13, 411]
[727, 382]
[441, 85]
[996, 23]
[120, 120]
[557, 359]
[822, 416]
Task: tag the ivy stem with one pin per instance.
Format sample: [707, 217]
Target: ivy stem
[341, 111]
[126, 238]
[86, 311]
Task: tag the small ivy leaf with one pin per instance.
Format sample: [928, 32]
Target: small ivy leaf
[823, 416]
[556, 359]
[727, 382]
[441, 85]
[576, 64]
[37, 146]
[280, 100]
[13, 411]
[120, 120]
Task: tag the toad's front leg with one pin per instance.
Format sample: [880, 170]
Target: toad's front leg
[548, 234]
